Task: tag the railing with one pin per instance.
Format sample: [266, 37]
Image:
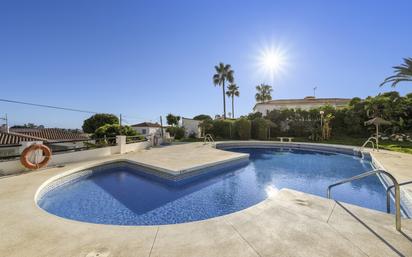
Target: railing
[388, 196]
[395, 185]
[65, 146]
[80, 145]
[135, 139]
[370, 140]
[209, 139]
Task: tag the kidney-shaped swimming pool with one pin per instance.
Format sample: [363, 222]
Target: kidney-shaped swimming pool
[122, 194]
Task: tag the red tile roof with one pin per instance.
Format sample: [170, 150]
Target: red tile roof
[15, 136]
[147, 124]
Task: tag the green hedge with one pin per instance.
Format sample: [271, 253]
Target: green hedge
[222, 129]
[242, 129]
[260, 129]
[176, 132]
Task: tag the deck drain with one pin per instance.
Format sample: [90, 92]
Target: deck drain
[99, 253]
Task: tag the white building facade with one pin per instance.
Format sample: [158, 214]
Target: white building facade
[192, 127]
[148, 128]
[307, 103]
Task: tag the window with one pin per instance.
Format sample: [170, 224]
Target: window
[143, 131]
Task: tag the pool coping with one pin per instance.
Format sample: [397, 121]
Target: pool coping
[173, 175]
[406, 196]
[256, 231]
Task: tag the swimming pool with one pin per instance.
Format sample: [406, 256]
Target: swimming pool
[123, 194]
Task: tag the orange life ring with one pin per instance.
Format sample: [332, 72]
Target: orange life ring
[27, 152]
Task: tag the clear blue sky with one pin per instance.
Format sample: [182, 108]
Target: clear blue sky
[149, 58]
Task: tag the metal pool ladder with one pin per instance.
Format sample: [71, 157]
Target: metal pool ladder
[209, 139]
[370, 140]
[395, 185]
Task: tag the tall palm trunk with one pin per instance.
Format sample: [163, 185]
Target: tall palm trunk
[224, 100]
[233, 106]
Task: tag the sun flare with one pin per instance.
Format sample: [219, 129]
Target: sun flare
[272, 61]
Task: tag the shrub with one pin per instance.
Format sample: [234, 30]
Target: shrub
[222, 129]
[202, 117]
[254, 115]
[192, 135]
[96, 121]
[242, 129]
[259, 129]
[207, 127]
[176, 132]
[112, 130]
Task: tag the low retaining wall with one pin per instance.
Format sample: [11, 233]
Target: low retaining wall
[14, 166]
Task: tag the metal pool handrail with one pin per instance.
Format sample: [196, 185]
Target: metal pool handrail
[374, 172]
[370, 140]
[209, 139]
[388, 190]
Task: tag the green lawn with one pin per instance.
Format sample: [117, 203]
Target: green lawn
[404, 147]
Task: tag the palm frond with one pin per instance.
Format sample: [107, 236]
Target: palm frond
[403, 73]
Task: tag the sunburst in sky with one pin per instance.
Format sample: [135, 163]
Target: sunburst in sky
[272, 62]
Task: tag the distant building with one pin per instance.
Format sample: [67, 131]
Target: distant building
[192, 127]
[60, 139]
[47, 135]
[307, 103]
[148, 128]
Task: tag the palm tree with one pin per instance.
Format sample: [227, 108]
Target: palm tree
[223, 73]
[232, 91]
[402, 73]
[263, 93]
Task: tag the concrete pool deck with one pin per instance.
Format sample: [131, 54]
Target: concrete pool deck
[288, 223]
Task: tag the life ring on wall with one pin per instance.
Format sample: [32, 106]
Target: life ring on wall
[27, 152]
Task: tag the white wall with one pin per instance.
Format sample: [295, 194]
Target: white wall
[7, 151]
[191, 127]
[14, 166]
[264, 108]
[148, 130]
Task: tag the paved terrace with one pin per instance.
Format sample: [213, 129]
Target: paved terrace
[288, 223]
[183, 158]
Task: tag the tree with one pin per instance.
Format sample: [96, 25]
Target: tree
[403, 73]
[254, 115]
[112, 130]
[232, 91]
[172, 120]
[326, 129]
[223, 73]
[96, 121]
[202, 117]
[176, 132]
[263, 93]
[28, 125]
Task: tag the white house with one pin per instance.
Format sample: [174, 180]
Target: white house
[191, 127]
[59, 139]
[309, 102]
[148, 128]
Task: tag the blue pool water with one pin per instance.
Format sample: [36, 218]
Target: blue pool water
[121, 194]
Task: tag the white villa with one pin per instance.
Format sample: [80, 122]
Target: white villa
[191, 127]
[306, 103]
[148, 128]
